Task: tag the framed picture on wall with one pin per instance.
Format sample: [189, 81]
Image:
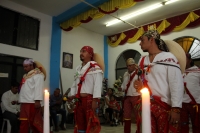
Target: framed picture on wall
[67, 60]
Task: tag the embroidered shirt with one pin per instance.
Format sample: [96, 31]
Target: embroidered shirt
[165, 81]
[93, 80]
[32, 88]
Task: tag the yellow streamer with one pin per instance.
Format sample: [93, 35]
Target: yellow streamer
[190, 18]
[121, 37]
[136, 36]
[95, 14]
[163, 25]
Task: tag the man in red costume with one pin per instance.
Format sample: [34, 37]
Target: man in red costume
[87, 90]
[30, 97]
[191, 99]
[131, 95]
[162, 76]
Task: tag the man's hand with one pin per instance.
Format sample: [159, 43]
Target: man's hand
[174, 117]
[138, 85]
[37, 104]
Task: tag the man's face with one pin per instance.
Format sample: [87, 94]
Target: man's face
[145, 43]
[131, 68]
[109, 91]
[56, 93]
[27, 67]
[84, 55]
[14, 89]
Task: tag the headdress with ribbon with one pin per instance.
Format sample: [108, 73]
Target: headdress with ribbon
[161, 44]
[89, 50]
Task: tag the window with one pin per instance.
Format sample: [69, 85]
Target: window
[121, 61]
[18, 29]
[190, 45]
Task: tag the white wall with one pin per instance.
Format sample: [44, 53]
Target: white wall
[72, 42]
[114, 52]
[43, 53]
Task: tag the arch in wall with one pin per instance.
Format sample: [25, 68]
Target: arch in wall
[120, 67]
[190, 45]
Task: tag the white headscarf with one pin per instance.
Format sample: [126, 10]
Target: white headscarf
[28, 61]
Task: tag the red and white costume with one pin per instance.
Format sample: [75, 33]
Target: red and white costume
[130, 100]
[165, 81]
[31, 90]
[85, 118]
[190, 108]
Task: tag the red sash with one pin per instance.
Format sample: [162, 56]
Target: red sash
[93, 124]
[194, 103]
[155, 98]
[129, 82]
[127, 86]
[82, 79]
[143, 77]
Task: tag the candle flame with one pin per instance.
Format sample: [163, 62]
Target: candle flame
[144, 90]
[45, 90]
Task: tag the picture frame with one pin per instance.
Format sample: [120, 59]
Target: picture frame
[67, 60]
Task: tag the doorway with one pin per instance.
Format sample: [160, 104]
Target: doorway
[11, 69]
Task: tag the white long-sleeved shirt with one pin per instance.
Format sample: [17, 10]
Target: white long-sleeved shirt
[32, 89]
[6, 104]
[131, 90]
[93, 80]
[165, 81]
[192, 80]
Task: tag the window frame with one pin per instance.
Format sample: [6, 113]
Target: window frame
[16, 26]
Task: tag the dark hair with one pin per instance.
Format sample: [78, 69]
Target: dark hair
[57, 89]
[34, 65]
[192, 63]
[111, 89]
[14, 84]
[188, 55]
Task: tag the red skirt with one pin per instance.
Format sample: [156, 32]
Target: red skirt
[85, 118]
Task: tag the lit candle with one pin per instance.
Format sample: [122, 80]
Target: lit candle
[46, 112]
[146, 115]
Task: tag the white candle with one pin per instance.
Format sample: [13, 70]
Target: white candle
[46, 112]
[146, 115]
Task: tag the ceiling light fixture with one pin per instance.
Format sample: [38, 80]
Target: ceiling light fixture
[170, 1]
[134, 14]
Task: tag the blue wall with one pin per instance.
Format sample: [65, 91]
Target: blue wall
[106, 57]
[55, 55]
[56, 40]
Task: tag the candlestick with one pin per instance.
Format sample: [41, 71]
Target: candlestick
[46, 112]
[146, 114]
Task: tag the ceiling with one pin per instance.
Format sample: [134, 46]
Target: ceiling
[49, 7]
[56, 7]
